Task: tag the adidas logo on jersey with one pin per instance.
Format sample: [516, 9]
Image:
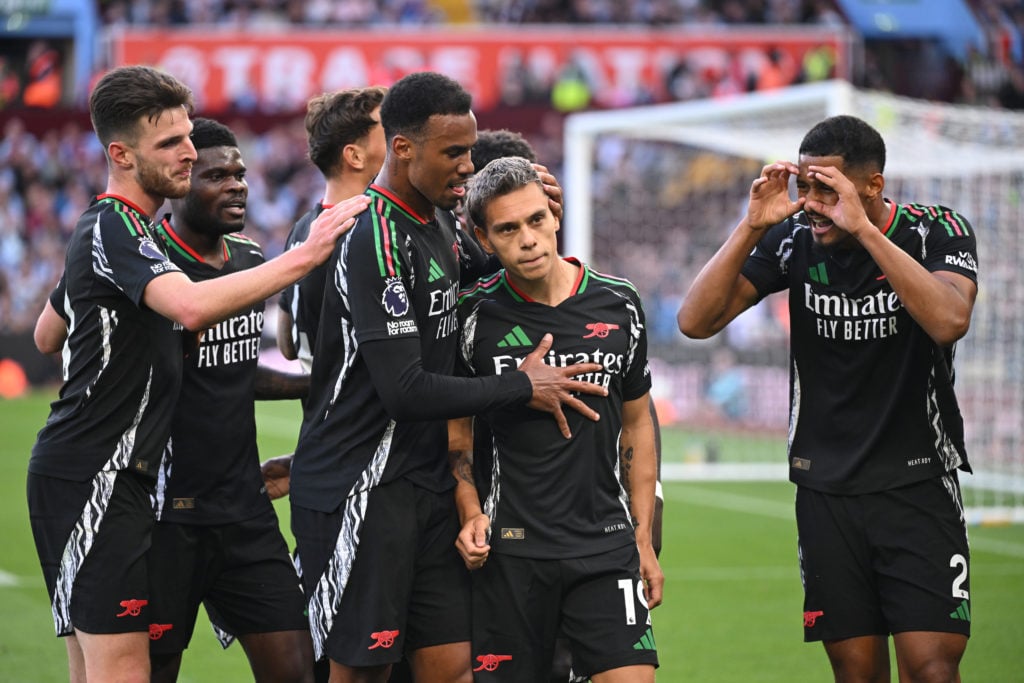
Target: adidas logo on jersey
[436, 272]
[818, 274]
[515, 339]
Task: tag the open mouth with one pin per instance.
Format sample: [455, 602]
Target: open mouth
[820, 225]
[235, 209]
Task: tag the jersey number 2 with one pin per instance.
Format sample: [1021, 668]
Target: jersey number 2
[959, 560]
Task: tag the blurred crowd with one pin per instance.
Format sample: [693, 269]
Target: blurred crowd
[47, 180]
[268, 13]
[993, 74]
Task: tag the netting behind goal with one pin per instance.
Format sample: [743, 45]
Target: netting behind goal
[653, 192]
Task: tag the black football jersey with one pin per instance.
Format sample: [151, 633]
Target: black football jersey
[214, 469]
[122, 361]
[552, 497]
[394, 276]
[303, 299]
[867, 413]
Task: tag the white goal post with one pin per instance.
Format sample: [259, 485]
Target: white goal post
[652, 191]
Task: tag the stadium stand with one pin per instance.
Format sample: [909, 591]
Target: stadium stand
[47, 176]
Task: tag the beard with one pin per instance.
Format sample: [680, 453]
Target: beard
[153, 182]
[203, 218]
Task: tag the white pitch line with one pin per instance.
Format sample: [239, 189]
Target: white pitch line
[732, 501]
[768, 508]
[8, 580]
[735, 573]
[995, 546]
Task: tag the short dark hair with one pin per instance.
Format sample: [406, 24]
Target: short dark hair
[208, 133]
[849, 137]
[336, 119]
[496, 179]
[494, 144]
[411, 102]
[126, 94]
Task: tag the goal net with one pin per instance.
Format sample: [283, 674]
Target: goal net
[653, 191]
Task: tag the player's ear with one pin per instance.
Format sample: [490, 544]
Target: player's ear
[481, 237]
[121, 154]
[352, 155]
[876, 184]
[402, 147]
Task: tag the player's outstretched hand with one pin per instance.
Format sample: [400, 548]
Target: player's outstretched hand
[277, 476]
[551, 188]
[331, 224]
[553, 387]
[769, 196]
[652, 576]
[472, 541]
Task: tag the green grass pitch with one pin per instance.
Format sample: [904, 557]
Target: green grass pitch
[732, 611]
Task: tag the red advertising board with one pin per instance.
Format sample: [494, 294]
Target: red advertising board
[279, 71]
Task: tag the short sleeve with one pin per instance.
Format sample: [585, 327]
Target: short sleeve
[951, 244]
[767, 265]
[637, 378]
[126, 255]
[58, 298]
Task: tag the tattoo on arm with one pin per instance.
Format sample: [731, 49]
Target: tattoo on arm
[462, 465]
[626, 458]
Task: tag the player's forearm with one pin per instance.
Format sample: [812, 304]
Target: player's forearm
[467, 502]
[460, 460]
[941, 303]
[716, 295]
[272, 385]
[221, 297]
[198, 305]
[467, 498]
[411, 393]
[659, 516]
[641, 497]
[285, 343]
[639, 467]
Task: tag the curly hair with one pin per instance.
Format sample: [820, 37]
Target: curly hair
[849, 137]
[494, 144]
[411, 102]
[208, 133]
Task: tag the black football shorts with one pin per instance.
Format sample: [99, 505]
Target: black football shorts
[886, 562]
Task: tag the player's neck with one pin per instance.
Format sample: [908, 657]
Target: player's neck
[395, 179]
[340, 188]
[883, 216]
[552, 290]
[209, 247]
[126, 188]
